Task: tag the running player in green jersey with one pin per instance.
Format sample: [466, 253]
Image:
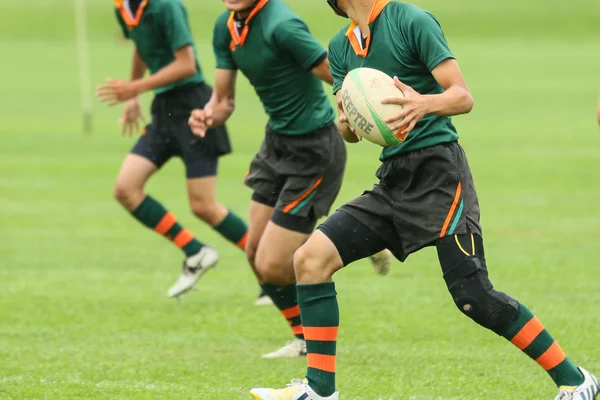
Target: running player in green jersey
[425, 197]
[298, 170]
[164, 46]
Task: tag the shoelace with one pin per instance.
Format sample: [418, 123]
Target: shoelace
[300, 382]
[564, 395]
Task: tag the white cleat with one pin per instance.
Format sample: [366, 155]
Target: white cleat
[297, 390]
[295, 348]
[263, 300]
[193, 268]
[382, 261]
[588, 390]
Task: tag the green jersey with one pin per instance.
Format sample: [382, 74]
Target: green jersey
[276, 52]
[159, 28]
[407, 42]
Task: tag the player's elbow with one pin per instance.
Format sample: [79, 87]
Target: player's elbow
[469, 102]
[189, 69]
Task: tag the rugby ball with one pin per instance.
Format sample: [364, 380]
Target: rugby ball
[363, 90]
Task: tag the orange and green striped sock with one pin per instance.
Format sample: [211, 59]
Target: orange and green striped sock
[529, 335]
[285, 299]
[233, 229]
[320, 319]
[152, 214]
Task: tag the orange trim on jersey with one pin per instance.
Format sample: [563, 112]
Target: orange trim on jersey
[451, 212]
[128, 18]
[321, 333]
[183, 238]
[378, 7]
[242, 242]
[528, 333]
[292, 312]
[552, 357]
[321, 361]
[297, 330]
[236, 38]
[165, 223]
[294, 203]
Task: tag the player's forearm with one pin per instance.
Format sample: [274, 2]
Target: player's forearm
[176, 71]
[138, 67]
[454, 101]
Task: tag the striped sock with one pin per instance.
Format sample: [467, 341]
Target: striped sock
[321, 318]
[233, 229]
[285, 298]
[152, 214]
[529, 335]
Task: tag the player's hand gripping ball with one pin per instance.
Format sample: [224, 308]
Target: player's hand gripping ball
[363, 90]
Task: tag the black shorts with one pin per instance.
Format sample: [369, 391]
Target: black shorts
[169, 134]
[299, 175]
[421, 196]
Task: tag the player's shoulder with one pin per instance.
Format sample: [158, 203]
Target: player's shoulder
[339, 39]
[162, 4]
[406, 13]
[277, 15]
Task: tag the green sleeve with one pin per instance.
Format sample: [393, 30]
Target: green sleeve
[122, 24]
[338, 70]
[428, 41]
[173, 19]
[294, 37]
[221, 43]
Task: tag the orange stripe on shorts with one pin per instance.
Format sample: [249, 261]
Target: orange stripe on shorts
[451, 212]
[183, 238]
[321, 361]
[165, 223]
[551, 357]
[528, 333]
[321, 333]
[292, 312]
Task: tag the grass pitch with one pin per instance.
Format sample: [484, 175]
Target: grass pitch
[83, 306]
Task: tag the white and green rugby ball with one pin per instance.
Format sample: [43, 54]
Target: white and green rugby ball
[363, 90]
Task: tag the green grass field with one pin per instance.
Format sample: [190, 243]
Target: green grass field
[83, 306]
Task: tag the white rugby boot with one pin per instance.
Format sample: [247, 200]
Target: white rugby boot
[588, 390]
[382, 261]
[263, 299]
[295, 348]
[193, 268]
[297, 390]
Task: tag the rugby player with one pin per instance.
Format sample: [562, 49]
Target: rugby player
[298, 171]
[425, 197]
[164, 46]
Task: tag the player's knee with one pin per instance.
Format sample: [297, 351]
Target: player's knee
[276, 272]
[129, 197]
[475, 296]
[207, 210]
[311, 266]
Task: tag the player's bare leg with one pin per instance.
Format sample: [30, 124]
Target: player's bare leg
[273, 261]
[260, 215]
[129, 191]
[129, 188]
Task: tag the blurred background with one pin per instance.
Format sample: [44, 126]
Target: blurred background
[83, 306]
